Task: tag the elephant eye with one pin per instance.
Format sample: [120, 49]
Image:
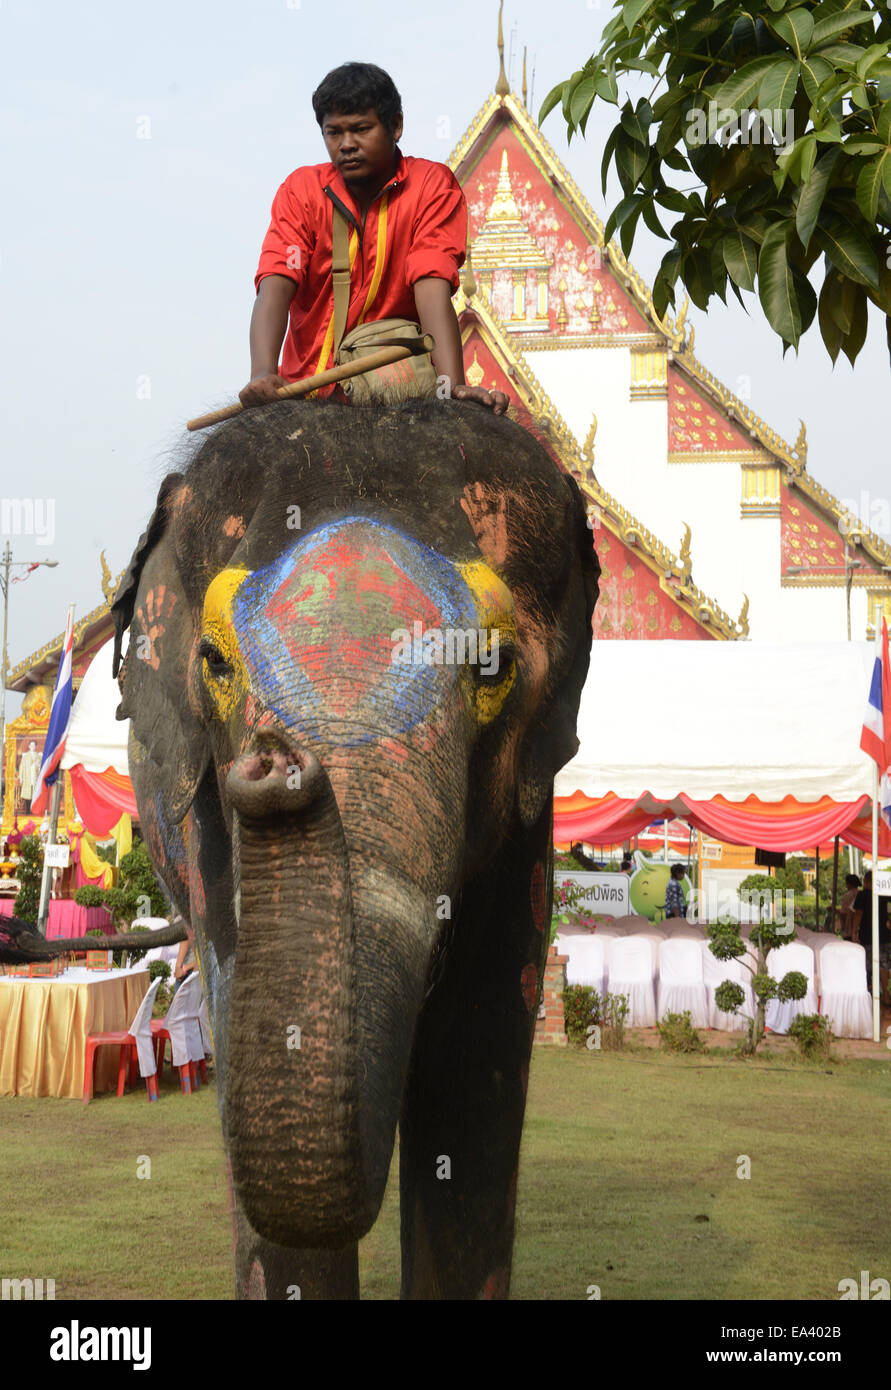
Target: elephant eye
[217, 664]
[494, 674]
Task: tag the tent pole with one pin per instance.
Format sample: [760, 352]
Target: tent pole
[43, 909]
[876, 978]
[834, 881]
[817, 890]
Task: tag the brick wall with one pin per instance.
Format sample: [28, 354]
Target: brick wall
[552, 1028]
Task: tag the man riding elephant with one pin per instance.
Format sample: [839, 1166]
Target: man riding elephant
[403, 223]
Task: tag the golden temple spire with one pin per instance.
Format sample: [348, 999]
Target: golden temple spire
[504, 207]
[525, 103]
[502, 86]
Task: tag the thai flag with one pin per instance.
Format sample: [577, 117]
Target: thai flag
[875, 738]
[60, 714]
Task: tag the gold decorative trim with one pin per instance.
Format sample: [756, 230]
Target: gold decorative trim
[819, 577]
[878, 606]
[761, 491]
[744, 456]
[649, 375]
[553, 342]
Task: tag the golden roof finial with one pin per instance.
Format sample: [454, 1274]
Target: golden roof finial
[525, 103]
[801, 447]
[743, 619]
[108, 588]
[685, 558]
[502, 86]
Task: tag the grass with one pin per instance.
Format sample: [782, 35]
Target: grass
[628, 1180]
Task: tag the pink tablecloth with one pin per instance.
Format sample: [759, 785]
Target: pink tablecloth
[66, 918]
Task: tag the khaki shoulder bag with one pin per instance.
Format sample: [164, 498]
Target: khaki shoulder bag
[411, 376]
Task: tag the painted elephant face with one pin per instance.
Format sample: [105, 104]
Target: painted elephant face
[357, 645]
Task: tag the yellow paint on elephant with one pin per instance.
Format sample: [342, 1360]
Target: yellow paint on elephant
[495, 614]
[218, 627]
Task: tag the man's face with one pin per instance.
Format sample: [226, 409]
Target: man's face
[360, 146]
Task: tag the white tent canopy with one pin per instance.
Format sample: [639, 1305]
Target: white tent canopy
[728, 719]
[96, 739]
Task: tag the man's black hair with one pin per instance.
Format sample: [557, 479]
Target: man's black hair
[356, 87]
[678, 871]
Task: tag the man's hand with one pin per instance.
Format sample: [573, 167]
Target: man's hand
[261, 389]
[496, 400]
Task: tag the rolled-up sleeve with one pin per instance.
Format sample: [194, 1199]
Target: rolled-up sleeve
[289, 242]
[439, 236]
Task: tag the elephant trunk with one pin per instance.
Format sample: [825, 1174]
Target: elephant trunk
[291, 1100]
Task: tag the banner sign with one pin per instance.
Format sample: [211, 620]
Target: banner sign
[607, 894]
[57, 856]
[883, 883]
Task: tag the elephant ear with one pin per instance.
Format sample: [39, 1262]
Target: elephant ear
[154, 677]
[564, 639]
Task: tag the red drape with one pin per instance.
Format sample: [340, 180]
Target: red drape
[102, 798]
[783, 825]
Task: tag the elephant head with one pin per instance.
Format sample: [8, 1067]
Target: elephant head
[357, 645]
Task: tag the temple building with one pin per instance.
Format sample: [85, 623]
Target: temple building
[707, 523]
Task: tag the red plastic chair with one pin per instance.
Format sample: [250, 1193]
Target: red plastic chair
[126, 1041]
[127, 1044]
[190, 1070]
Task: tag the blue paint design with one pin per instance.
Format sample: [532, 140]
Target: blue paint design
[322, 663]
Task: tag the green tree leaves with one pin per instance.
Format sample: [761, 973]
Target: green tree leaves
[759, 205]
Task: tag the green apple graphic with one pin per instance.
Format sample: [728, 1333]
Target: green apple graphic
[647, 885]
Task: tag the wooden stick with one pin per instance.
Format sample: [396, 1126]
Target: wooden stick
[299, 388]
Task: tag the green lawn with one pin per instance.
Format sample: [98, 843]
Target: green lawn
[622, 1153]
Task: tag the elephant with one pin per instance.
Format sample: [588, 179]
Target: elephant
[356, 649]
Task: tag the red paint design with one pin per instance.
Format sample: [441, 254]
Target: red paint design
[398, 750]
[537, 897]
[234, 526]
[529, 986]
[347, 599]
[159, 604]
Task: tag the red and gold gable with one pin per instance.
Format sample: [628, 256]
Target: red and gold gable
[696, 424]
[632, 606]
[806, 538]
[584, 297]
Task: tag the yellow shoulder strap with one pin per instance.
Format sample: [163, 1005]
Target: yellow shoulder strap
[340, 271]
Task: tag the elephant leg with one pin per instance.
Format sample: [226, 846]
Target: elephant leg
[267, 1271]
[463, 1114]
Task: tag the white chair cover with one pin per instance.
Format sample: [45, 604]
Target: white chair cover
[587, 956]
[182, 1022]
[795, 955]
[714, 973]
[141, 1030]
[630, 965]
[655, 939]
[681, 984]
[845, 999]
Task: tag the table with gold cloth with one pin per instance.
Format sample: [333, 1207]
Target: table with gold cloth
[44, 1026]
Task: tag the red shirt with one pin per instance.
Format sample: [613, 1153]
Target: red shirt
[416, 226]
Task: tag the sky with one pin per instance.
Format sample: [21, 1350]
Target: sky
[141, 149]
